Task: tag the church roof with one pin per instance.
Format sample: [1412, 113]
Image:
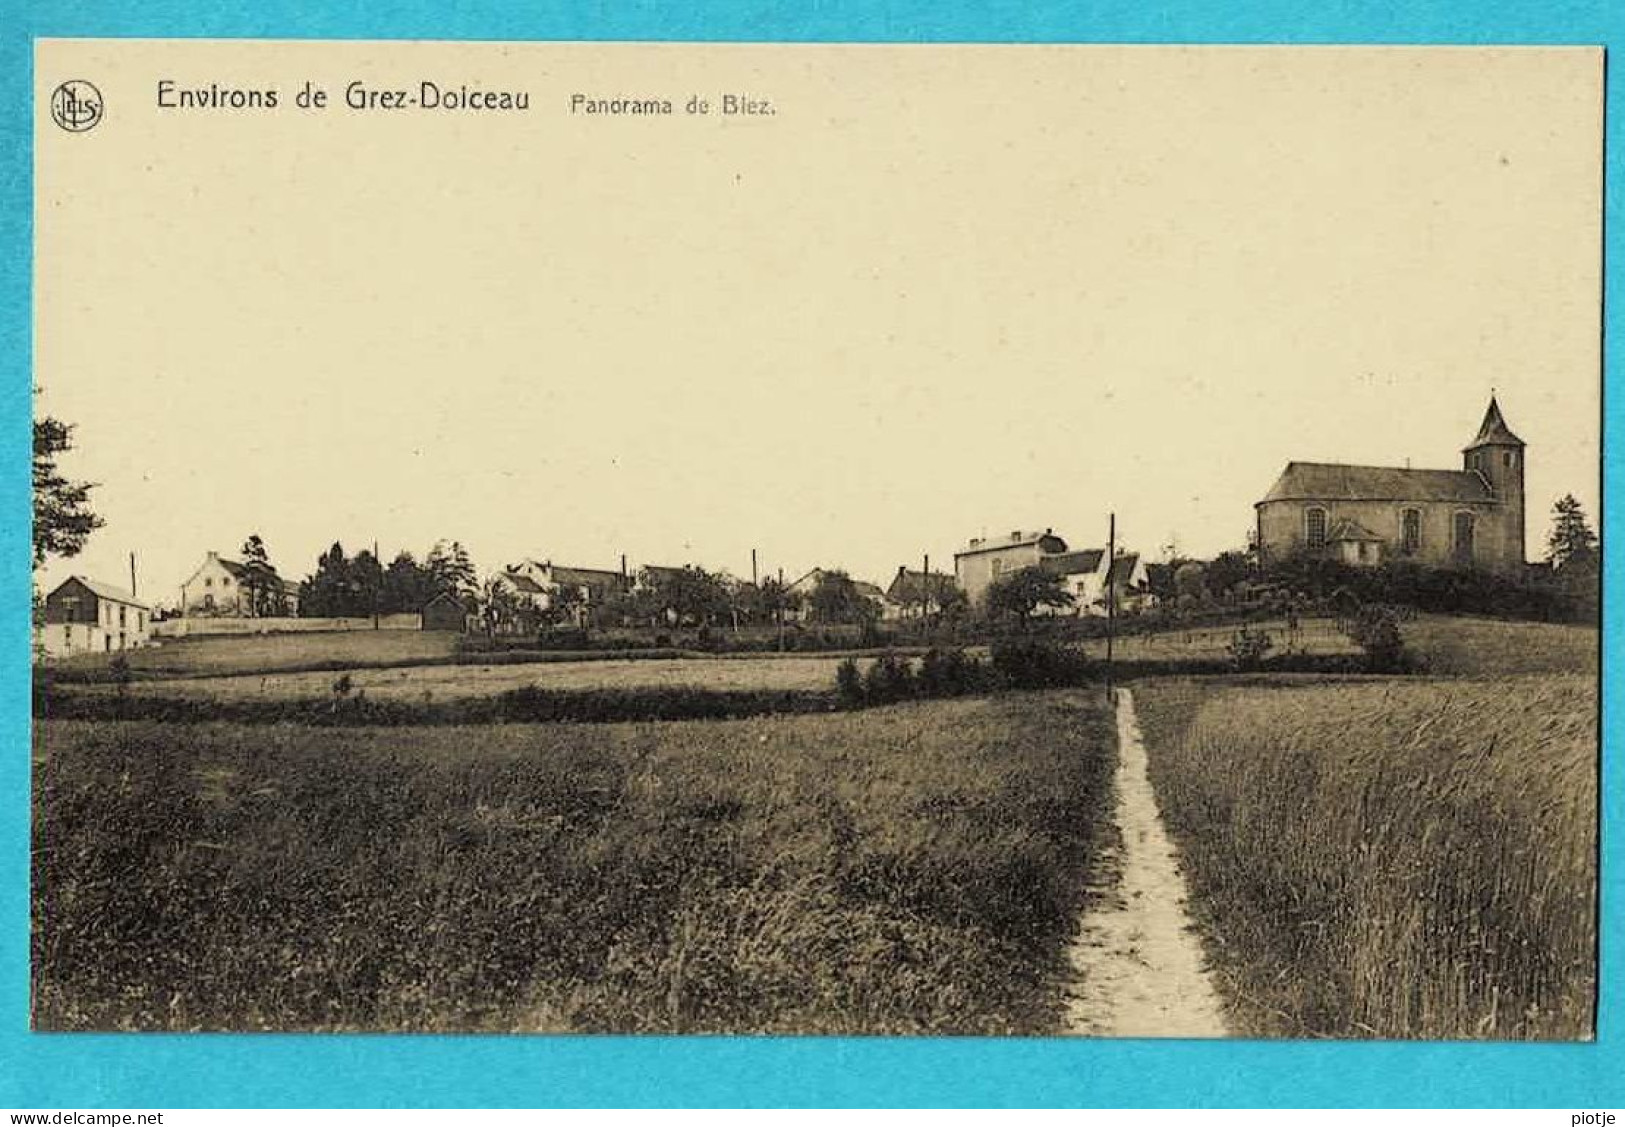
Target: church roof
[1494, 430]
[1324, 481]
[1352, 530]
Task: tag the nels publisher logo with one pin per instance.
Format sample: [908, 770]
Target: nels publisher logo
[76, 106]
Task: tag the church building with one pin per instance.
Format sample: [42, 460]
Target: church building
[1365, 515]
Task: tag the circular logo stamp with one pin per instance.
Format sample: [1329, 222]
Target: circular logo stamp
[76, 105]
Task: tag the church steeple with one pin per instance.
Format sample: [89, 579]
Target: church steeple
[1494, 430]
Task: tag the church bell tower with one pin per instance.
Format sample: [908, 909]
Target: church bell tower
[1496, 454]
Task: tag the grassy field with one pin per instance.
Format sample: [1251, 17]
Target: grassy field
[902, 870]
[270, 652]
[1480, 646]
[450, 682]
[1411, 858]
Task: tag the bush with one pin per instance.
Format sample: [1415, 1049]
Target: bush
[890, 679]
[1034, 664]
[1248, 647]
[849, 684]
[1375, 629]
[950, 673]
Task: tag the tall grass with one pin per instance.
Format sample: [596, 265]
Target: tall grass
[914, 869]
[1409, 859]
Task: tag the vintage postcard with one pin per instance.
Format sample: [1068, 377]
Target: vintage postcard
[816, 539]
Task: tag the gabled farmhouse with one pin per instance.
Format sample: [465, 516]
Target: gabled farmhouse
[1364, 515]
[538, 584]
[85, 616]
[912, 594]
[216, 590]
[1087, 575]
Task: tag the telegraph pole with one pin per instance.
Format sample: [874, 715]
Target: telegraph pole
[134, 594]
[380, 566]
[1111, 597]
[780, 596]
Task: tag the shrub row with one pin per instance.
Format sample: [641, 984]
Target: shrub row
[1027, 664]
[523, 705]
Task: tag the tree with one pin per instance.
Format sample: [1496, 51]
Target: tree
[260, 580]
[1020, 593]
[1572, 540]
[62, 517]
[835, 598]
[326, 592]
[405, 585]
[1227, 571]
[450, 570]
[499, 609]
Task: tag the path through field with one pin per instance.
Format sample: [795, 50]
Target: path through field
[1138, 962]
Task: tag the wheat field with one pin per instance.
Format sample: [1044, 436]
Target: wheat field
[1400, 859]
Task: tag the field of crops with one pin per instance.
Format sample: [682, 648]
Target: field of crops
[1411, 858]
[902, 870]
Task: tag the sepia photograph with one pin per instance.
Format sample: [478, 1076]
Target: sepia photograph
[816, 539]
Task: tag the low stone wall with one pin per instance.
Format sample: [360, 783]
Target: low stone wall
[197, 627]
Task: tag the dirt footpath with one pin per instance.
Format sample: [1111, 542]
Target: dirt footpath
[1138, 963]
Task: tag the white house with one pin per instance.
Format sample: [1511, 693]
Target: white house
[1086, 575]
[216, 590]
[84, 616]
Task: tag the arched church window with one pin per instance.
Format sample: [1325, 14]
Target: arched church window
[1463, 540]
[1410, 531]
[1314, 528]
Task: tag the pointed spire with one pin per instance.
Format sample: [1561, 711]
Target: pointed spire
[1494, 430]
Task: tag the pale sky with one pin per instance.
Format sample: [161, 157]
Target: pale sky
[942, 292]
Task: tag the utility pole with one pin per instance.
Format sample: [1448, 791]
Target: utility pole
[780, 596]
[134, 594]
[379, 564]
[753, 582]
[1111, 597]
[925, 588]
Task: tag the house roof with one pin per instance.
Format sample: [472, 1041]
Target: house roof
[1047, 542]
[1085, 562]
[584, 576]
[868, 590]
[1354, 531]
[1122, 569]
[522, 583]
[1327, 481]
[1493, 431]
[911, 586]
[103, 591]
[661, 569]
[233, 568]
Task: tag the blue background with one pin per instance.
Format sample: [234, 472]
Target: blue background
[67, 1071]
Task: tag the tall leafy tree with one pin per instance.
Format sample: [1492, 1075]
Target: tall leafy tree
[63, 520]
[1572, 540]
[324, 594]
[405, 585]
[1021, 593]
[450, 570]
[835, 598]
[260, 580]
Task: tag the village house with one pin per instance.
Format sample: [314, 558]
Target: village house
[85, 616]
[216, 590]
[1089, 574]
[445, 612]
[1365, 515]
[987, 559]
[537, 584]
[802, 590]
[914, 594]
